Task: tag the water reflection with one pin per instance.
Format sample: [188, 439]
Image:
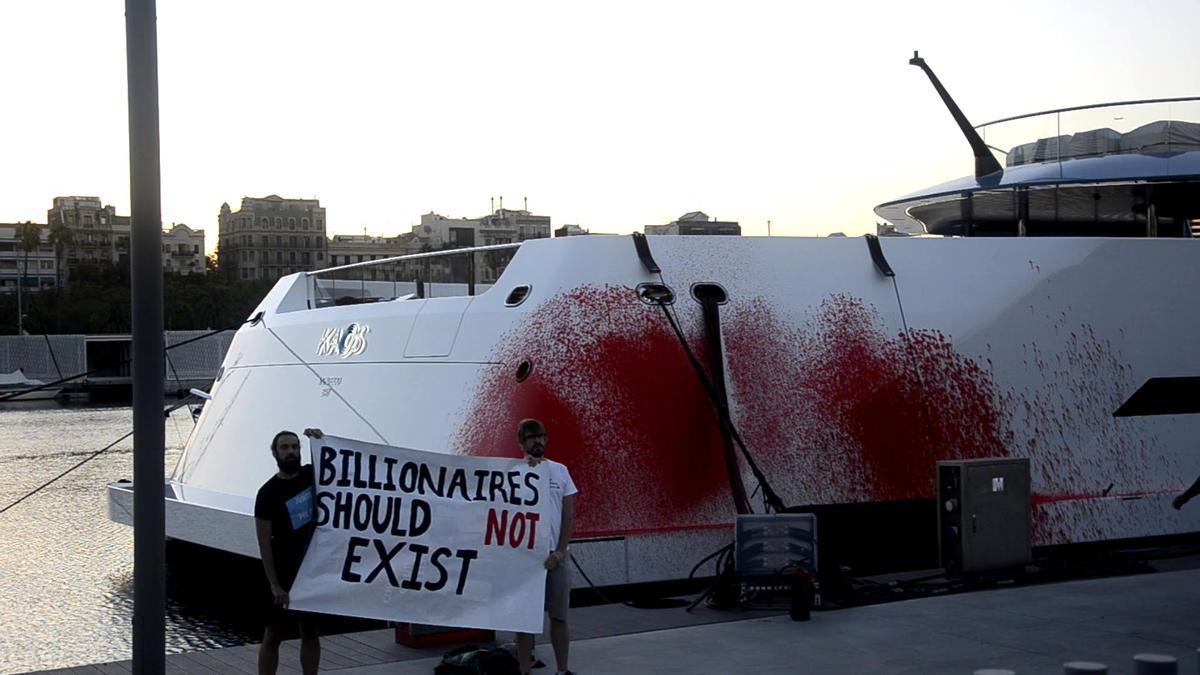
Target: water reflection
[66, 571]
[66, 595]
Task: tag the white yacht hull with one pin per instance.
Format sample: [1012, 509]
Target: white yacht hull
[1014, 347]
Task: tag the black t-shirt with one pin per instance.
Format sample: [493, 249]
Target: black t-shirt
[288, 505]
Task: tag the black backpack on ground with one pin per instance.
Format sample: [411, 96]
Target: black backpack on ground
[476, 660]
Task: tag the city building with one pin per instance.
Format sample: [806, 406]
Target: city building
[98, 236]
[696, 222]
[183, 250]
[39, 268]
[501, 222]
[437, 232]
[501, 226]
[344, 249]
[570, 231]
[271, 237]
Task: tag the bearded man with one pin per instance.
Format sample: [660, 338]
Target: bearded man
[283, 516]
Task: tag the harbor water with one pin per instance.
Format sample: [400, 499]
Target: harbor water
[66, 571]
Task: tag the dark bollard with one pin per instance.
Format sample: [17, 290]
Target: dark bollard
[1155, 664]
[802, 589]
[1084, 668]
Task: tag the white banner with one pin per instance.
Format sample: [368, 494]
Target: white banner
[405, 535]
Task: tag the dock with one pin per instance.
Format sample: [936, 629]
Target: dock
[1027, 629]
[103, 363]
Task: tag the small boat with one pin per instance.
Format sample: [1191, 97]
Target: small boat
[26, 389]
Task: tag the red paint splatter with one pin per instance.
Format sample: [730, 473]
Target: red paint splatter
[1040, 499]
[835, 405]
[1077, 448]
[836, 409]
[623, 409]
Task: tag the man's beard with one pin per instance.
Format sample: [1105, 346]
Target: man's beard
[289, 464]
[537, 451]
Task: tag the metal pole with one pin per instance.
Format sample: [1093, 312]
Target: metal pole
[20, 322]
[149, 551]
[471, 274]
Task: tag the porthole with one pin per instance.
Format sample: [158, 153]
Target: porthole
[517, 295]
[655, 294]
[705, 290]
[524, 370]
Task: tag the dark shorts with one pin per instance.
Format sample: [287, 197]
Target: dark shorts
[291, 623]
[558, 591]
[289, 620]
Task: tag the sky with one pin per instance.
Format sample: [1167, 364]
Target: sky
[610, 115]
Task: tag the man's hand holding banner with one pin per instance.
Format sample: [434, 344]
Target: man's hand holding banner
[405, 535]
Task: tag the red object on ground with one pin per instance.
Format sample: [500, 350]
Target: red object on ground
[420, 636]
[801, 595]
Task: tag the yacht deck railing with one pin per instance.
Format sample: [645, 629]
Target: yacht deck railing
[1161, 125]
[429, 274]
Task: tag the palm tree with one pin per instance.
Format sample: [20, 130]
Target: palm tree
[29, 237]
[60, 239]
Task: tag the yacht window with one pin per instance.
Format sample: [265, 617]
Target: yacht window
[517, 295]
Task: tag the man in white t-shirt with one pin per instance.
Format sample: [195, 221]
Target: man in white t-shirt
[532, 436]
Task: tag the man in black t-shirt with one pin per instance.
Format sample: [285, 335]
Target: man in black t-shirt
[283, 516]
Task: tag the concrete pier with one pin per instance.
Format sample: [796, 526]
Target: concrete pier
[1030, 629]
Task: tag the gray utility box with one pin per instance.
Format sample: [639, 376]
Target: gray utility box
[773, 544]
[983, 514]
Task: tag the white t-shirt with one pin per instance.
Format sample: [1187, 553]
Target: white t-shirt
[561, 486]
